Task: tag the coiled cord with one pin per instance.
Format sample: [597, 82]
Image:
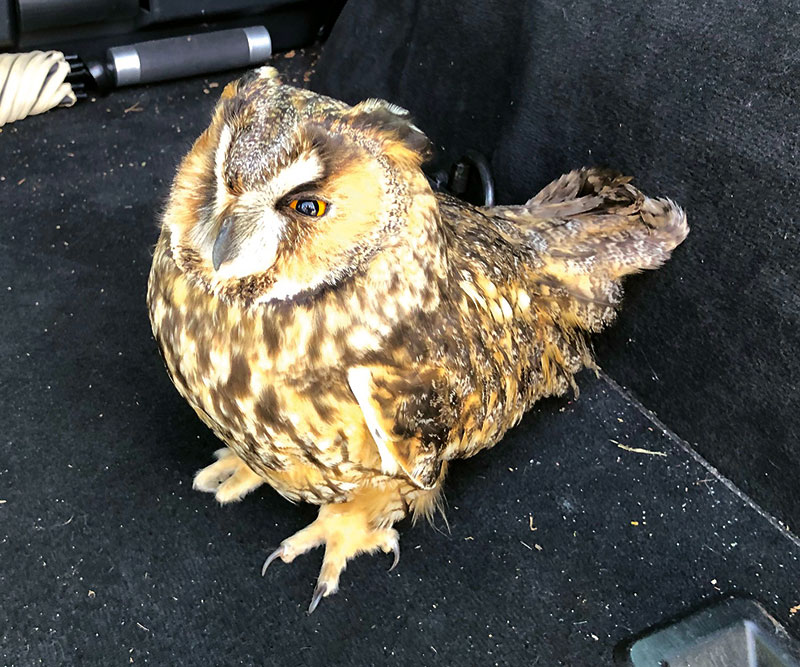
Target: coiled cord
[32, 83]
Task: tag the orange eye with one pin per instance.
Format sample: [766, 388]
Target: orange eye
[314, 208]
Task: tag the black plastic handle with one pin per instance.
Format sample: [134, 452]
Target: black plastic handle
[177, 57]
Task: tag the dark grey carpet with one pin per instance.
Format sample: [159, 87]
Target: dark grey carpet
[562, 544]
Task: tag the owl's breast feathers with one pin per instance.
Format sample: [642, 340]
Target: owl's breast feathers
[274, 382]
[423, 358]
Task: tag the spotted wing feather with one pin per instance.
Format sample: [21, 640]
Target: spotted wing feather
[589, 229]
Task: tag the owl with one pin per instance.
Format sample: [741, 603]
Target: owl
[347, 332]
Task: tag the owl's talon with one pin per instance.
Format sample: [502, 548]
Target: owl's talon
[319, 593]
[345, 533]
[396, 552]
[278, 553]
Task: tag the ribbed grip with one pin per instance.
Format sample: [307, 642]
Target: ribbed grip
[178, 57]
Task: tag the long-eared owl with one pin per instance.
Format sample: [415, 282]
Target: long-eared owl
[346, 331]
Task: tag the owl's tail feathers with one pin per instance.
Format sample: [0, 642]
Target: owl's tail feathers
[597, 213]
[590, 228]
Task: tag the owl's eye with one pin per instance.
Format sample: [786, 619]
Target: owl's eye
[314, 208]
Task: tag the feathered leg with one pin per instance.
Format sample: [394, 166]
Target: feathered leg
[363, 524]
[228, 478]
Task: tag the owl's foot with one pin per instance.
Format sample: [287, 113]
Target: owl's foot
[228, 478]
[346, 532]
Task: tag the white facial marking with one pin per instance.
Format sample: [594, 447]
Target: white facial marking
[258, 251]
[283, 290]
[219, 161]
[306, 168]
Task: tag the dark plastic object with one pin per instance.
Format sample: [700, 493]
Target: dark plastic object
[201, 53]
[161, 11]
[90, 27]
[37, 15]
[8, 33]
[734, 633]
[469, 179]
[189, 55]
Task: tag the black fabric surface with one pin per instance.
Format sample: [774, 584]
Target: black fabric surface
[700, 102]
[562, 544]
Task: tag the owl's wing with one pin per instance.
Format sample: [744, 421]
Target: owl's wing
[409, 417]
[588, 230]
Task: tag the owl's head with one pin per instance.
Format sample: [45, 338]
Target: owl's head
[289, 192]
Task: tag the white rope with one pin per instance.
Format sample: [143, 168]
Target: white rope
[32, 83]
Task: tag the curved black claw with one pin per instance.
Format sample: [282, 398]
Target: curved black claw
[396, 552]
[319, 593]
[275, 554]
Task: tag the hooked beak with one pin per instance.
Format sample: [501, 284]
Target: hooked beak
[223, 249]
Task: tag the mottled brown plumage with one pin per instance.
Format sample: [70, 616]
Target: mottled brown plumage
[345, 357]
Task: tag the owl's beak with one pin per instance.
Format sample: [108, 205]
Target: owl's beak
[223, 246]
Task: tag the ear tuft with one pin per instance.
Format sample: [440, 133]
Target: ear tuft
[392, 120]
[268, 73]
[266, 76]
[240, 92]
